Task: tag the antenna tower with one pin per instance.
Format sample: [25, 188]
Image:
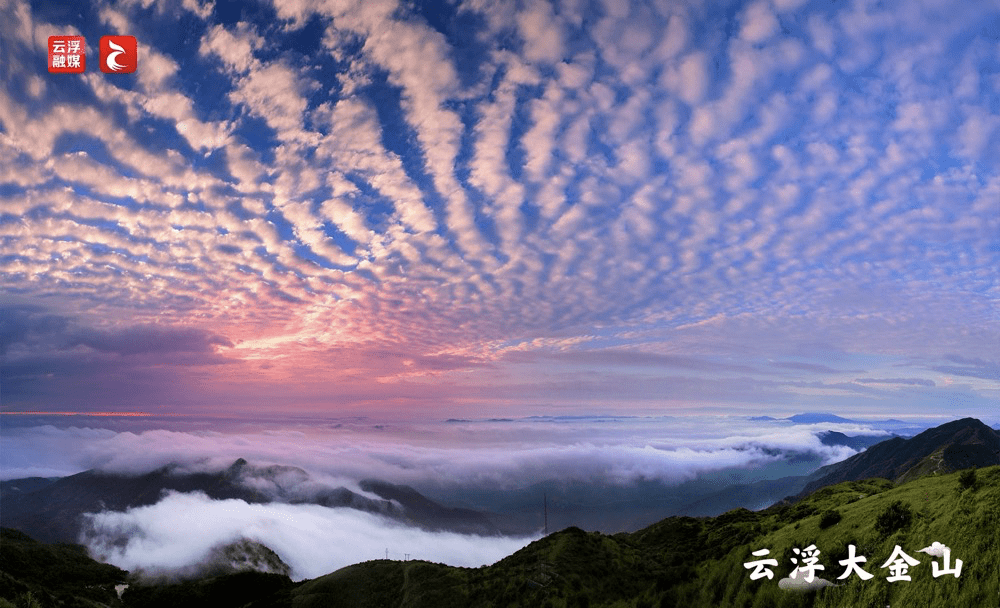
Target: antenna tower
[545, 506]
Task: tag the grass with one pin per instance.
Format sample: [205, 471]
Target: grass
[678, 562]
[967, 520]
[698, 562]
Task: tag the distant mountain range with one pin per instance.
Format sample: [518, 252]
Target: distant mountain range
[858, 442]
[807, 418]
[824, 417]
[679, 561]
[815, 418]
[51, 509]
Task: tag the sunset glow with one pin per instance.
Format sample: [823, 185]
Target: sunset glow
[481, 209]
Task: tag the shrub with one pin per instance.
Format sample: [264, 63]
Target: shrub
[25, 600]
[968, 480]
[829, 518]
[895, 517]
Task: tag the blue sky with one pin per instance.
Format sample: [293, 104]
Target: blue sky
[491, 208]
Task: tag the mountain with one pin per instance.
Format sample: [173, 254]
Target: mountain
[243, 555]
[955, 445]
[611, 506]
[53, 512]
[755, 495]
[428, 514]
[25, 485]
[33, 573]
[679, 561]
[856, 442]
[224, 591]
[699, 562]
[815, 418]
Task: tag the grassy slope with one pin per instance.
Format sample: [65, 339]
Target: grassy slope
[699, 562]
[968, 521]
[680, 561]
[53, 575]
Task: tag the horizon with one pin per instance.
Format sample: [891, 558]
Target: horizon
[621, 450]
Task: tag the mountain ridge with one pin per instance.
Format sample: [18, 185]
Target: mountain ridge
[687, 561]
[53, 512]
[679, 561]
[958, 444]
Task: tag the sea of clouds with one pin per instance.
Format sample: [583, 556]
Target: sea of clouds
[181, 529]
[510, 453]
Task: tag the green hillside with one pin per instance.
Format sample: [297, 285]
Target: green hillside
[692, 563]
[965, 519]
[678, 562]
[37, 575]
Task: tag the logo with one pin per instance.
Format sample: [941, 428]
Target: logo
[67, 54]
[118, 54]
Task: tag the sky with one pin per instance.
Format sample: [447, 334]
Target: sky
[474, 209]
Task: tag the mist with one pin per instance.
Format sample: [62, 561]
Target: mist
[506, 454]
[181, 530]
[499, 466]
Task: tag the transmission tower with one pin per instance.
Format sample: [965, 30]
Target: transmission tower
[545, 508]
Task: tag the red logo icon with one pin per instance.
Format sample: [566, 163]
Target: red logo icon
[67, 54]
[118, 54]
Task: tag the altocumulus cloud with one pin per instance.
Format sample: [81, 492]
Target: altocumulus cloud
[401, 193]
[181, 529]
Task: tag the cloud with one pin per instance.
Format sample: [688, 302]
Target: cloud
[20, 324]
[800, 584]
[236, 50]
[759, 23]
[936, 549]
[385, 183]
[50, 358]
[622, 357]
[519, 452]
[690, 80]
[904, 381]
[276, 93]
[32, 329]
[543, 36]
[148, 339]
[970, 367]
[822, 34]
[809, 367]
[182, 529]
